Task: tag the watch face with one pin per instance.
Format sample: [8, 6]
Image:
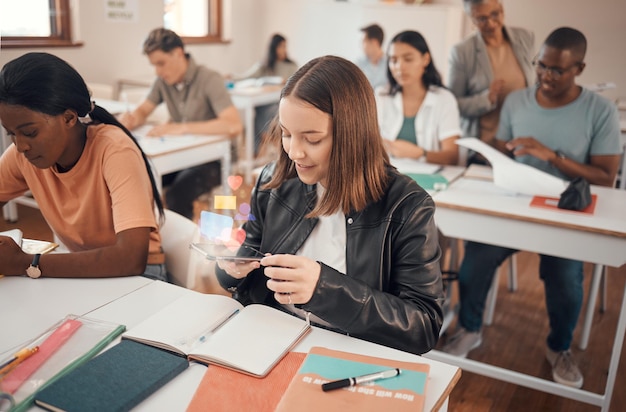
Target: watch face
[33, 272]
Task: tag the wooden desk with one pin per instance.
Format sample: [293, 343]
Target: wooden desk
[477, 210]
[176, 395]
[247, 100]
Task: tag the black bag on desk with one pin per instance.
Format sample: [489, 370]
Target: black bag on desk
[577, 196]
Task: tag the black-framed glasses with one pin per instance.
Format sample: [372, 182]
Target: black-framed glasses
[482, 20]
[555, 72]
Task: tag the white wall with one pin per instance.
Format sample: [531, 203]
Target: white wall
[314, 27]
[113, 49]
[601, 21]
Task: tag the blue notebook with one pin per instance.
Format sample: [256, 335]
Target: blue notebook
[116, 380]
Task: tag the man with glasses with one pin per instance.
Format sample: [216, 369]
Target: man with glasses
[487, 66]
[567, 131]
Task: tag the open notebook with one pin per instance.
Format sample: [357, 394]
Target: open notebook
[30, 246]
[218, 329]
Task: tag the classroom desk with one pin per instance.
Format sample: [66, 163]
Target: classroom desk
[477, 210]
[128, 301]
[247, 100]
[30, 306]
[176, 395]
[174, 153]
[244, 99]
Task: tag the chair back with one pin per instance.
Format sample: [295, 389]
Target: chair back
[177, 233]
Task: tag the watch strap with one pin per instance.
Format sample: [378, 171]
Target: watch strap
[35, 261]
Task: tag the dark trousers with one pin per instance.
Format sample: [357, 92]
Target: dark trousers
[185, 186]
[563, 284]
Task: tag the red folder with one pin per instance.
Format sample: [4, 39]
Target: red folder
[552, 202]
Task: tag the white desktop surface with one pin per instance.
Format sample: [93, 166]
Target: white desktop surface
[132, 308]
[245, 99]
[477, 210]
[473, 209]
[30, 306]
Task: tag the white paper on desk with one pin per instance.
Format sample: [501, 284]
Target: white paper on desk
[15, 234]
[515, 176]
[157, 145]
[405, 165]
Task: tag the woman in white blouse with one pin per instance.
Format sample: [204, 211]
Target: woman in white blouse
[418, 117]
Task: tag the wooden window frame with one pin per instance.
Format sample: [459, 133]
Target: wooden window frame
[215, 17]
[61, 24]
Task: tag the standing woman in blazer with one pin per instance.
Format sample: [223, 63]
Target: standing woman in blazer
[418, 117]
[487, 66]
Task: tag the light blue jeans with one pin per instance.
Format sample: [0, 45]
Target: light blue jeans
[563, 284]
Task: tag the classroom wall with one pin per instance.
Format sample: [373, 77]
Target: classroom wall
[112, 49]
[315, 28]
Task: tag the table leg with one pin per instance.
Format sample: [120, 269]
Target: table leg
[226, 167]
[10, 212]
[591, 305]
[615, 354]
[249, 124]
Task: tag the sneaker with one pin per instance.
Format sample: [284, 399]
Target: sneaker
[462, 342]
[564, 368]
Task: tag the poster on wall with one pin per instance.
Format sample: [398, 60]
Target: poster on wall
[121, 10]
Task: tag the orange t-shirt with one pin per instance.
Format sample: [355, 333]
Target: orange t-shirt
[106, 192]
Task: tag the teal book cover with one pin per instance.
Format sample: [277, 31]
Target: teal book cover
[404, 392]
[116, 380]
[433, 181]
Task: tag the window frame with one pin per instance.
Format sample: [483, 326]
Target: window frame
[216, 22]
[61, 24]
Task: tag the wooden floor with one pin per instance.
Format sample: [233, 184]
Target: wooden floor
[515, 340]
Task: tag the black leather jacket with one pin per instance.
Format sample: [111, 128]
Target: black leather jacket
[392, 292]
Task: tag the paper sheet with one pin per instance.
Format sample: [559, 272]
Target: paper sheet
[405, 165]
[515, 176]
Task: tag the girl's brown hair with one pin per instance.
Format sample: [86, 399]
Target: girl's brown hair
[357, 173]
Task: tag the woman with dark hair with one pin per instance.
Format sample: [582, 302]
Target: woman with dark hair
[91, 180]
[418, 117]
[274, 69]
[350, 243]
[276, 62]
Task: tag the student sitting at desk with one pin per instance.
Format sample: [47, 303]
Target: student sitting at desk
[567, 131]
[92, 182]
[353, 243]
[198, 103]
[418, 117]
[278, 65]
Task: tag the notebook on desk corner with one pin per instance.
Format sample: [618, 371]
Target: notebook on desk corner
[114, 381]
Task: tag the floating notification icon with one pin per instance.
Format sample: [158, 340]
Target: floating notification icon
[225, 202]
[214, 225]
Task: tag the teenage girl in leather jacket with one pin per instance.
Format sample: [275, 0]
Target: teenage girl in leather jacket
[349, 241]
